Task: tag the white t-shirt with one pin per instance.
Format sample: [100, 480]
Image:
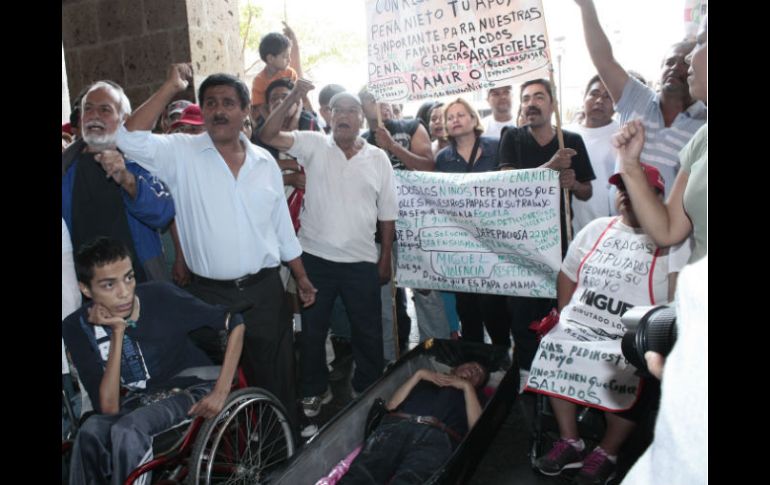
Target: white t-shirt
[598, 141]
[616, 267]
[344, 198]
[492, 128]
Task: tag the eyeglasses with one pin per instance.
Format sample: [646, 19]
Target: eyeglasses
[346, 111]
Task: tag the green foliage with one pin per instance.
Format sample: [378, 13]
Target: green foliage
[251, 15]
[317, 44]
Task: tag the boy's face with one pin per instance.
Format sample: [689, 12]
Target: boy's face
[281, 61]
[472, 372]
[113, 286]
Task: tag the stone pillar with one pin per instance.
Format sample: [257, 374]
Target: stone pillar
[132, 42]
[215, 38]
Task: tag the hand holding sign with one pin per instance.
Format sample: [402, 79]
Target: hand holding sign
[567, 178]
[561, 160]
[383, 138]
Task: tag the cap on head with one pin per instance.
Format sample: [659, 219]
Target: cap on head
[654, 178]
[191, 115]
[344, 96]
[177, 107]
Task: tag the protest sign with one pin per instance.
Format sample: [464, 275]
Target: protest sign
[492, 232]
[421, 49]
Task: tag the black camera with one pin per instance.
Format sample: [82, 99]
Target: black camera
[648, 328]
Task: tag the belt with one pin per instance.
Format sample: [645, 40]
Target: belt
[430, 421]
[238, 283]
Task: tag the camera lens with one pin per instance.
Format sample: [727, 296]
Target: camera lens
[648, 328]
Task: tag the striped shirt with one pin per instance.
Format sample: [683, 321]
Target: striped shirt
[662, 145]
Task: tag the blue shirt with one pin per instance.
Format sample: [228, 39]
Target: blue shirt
[448, 160]
[151, 209]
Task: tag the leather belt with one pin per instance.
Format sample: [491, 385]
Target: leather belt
[430, 421]
[238, 283]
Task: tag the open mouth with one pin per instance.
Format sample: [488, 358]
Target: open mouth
[124, 308]
[95, 127]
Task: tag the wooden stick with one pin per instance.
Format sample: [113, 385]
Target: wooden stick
[559, 134]
[394, 307]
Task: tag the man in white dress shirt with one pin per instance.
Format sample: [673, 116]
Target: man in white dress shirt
[233, 221]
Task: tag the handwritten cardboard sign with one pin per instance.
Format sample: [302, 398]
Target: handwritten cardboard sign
[422, 49]
[493, 232]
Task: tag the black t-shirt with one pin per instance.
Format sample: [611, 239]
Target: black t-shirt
[447, 404]
[520, 150]
[162, 347]
[402, 132]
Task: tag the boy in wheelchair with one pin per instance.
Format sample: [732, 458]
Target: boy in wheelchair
[130, 345]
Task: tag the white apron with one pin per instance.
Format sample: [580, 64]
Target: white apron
[580, 359]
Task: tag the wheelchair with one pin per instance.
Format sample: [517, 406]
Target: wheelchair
[249, 437]
[545, 430]
[245, 441]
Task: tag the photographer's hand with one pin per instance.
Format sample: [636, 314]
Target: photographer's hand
[655, 363]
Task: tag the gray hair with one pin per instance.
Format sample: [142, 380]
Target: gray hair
[124, 105]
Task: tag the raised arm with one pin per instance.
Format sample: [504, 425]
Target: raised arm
[613, 75]
[178, 78]
[271, 133]
[667, 224]
[295, 61]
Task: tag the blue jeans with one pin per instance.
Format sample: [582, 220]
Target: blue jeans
[358, 286]
[110, 446]
[450, 310]
[399, 452]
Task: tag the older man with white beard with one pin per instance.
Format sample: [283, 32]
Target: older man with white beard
[103, 194]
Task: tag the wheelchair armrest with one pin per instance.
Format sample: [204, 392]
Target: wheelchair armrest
[206, 373]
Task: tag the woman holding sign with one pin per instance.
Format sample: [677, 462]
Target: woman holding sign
[468, 151]
[611, 266]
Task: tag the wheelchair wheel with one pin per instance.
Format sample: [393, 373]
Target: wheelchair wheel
[249, 437]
